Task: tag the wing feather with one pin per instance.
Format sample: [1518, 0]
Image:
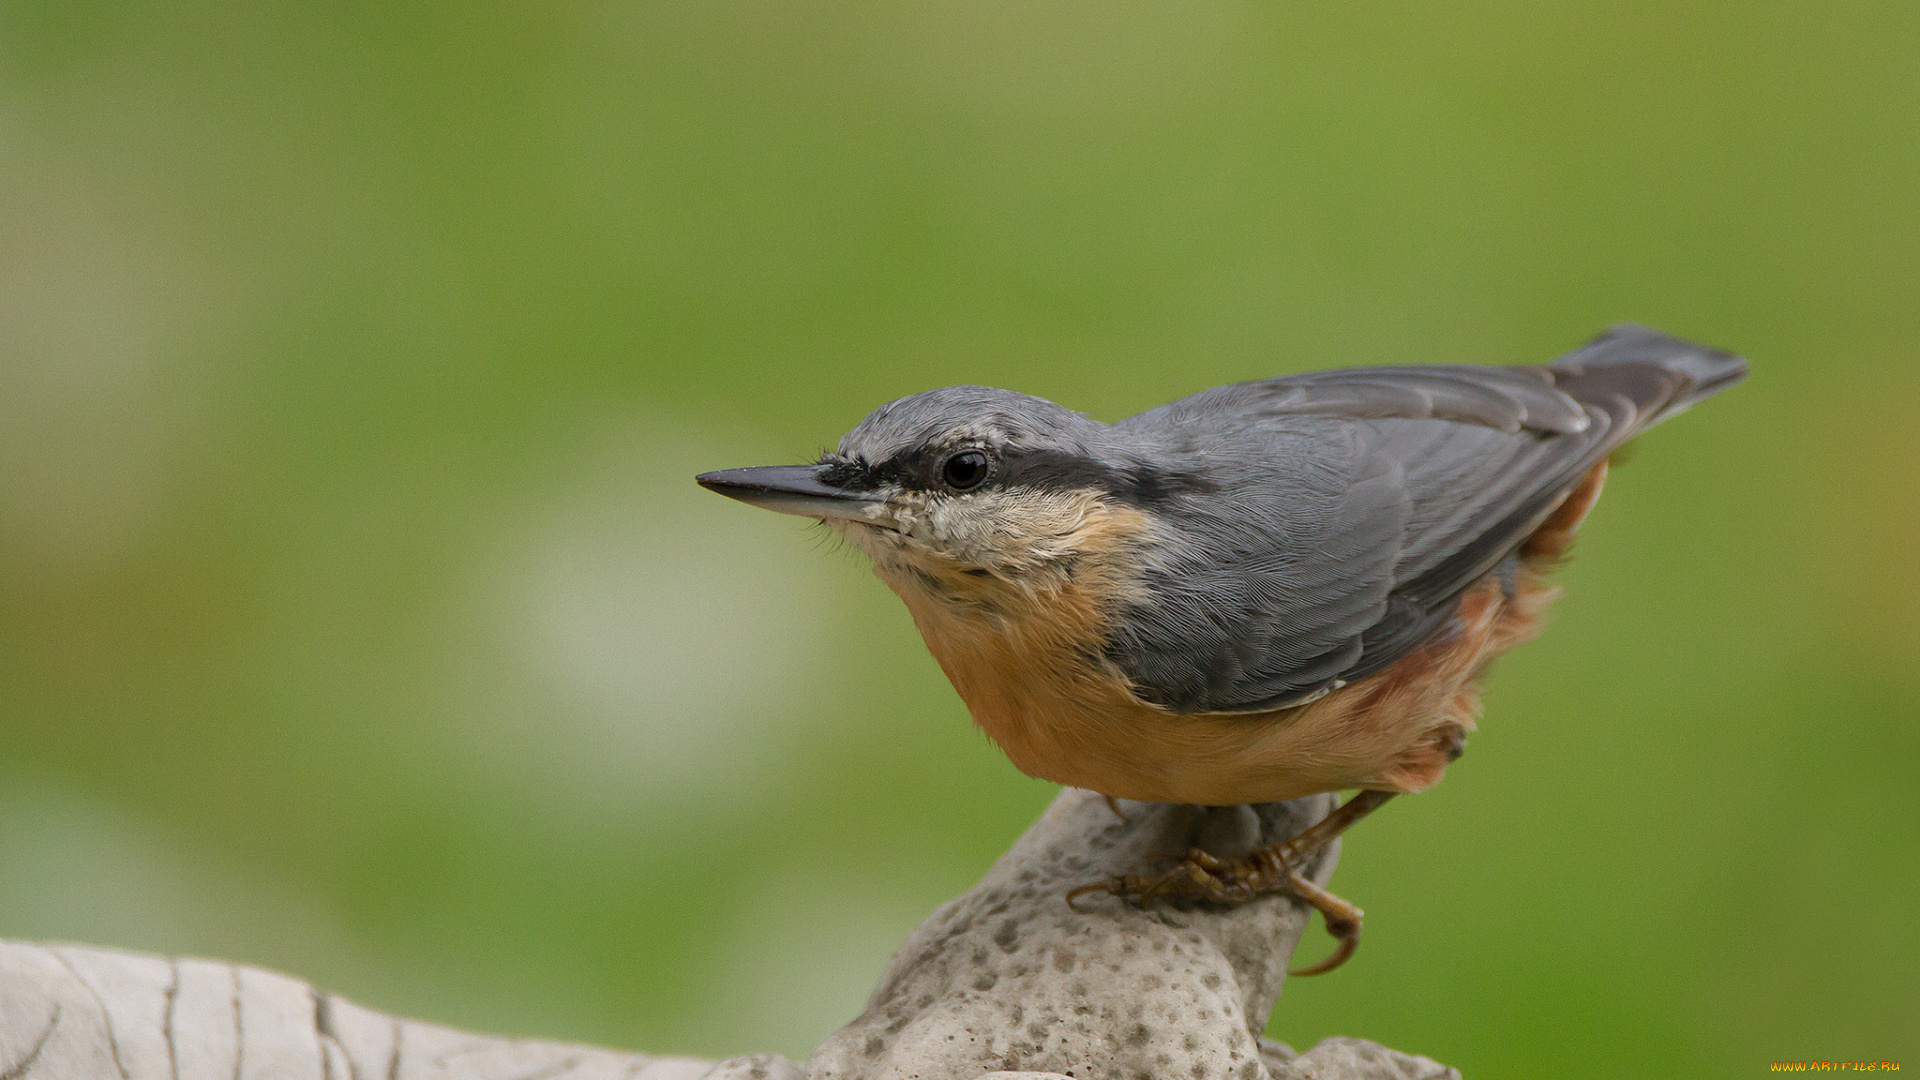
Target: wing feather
[1356, 506]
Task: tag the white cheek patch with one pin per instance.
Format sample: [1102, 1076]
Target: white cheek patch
[953, 522]
[973, 529]
[1015, 533]
[895, 532]
[880, 515]
[909, 516]
[1015, 530]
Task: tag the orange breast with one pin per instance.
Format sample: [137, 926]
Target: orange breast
[1061, 717]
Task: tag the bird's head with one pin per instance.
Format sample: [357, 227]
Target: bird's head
[966, 491]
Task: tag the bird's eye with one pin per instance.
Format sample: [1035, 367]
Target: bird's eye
[965, 470]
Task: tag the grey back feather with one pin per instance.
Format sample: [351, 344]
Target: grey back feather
[1354, 507]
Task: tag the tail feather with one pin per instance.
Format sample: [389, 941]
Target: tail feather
[1656, 374]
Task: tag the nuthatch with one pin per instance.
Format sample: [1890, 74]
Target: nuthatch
[1259, 592]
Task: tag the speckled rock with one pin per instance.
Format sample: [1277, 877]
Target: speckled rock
[756, 1067]
[1358, 1059]
[1008, 978]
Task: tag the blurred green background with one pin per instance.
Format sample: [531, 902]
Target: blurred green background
[359, 616]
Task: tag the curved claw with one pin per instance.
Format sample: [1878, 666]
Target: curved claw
[1075, 894]
[1343, 922]
[1120, 886]
[1349, 940]
[1339, 957]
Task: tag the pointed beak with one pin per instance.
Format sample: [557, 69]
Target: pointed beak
[798, 489]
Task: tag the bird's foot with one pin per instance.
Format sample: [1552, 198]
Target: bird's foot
[1207, 878]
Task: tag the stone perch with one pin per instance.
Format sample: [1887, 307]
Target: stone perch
[1005, 982]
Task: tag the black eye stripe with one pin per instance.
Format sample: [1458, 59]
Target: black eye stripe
[925, 469]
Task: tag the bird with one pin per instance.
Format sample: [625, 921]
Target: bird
[1262, 591]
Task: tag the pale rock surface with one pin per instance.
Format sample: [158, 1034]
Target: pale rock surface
[1009, 977]
[1005, 982]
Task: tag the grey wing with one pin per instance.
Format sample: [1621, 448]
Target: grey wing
[1358, 505]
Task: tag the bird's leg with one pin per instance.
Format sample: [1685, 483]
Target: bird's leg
[1201, 876]
[1320, 832]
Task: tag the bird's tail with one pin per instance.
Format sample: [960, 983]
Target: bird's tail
[1655, 374]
